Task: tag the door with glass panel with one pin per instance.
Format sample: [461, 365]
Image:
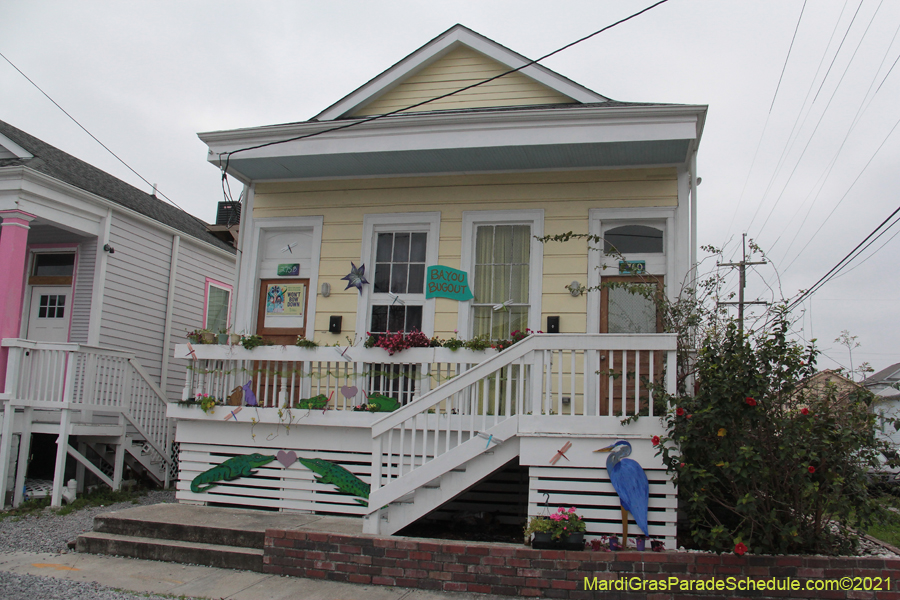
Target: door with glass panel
[397, 301]
[50, 304]
[629, 305]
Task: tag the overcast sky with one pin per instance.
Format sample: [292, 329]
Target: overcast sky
[808, 179]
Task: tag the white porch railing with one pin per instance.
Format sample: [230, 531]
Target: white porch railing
[343, 375]
[561, 376]
[74, 376]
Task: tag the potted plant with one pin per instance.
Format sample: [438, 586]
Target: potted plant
[222, 337]
[563, 529]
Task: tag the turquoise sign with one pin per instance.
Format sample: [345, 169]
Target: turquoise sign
[634, 267]
[444, 282]
[289, 270]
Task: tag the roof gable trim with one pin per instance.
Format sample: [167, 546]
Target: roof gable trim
[10, 149]
[440, 46]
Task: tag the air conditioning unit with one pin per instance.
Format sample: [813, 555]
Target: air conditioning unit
[228, 214]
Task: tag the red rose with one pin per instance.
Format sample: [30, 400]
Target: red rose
[655, 440]
[679, 411]
[682, 465]
[689, 416]
[804, 411]
[811, 469]
[751, 401]
[740, 548]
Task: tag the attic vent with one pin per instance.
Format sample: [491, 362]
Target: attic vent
[229, 213]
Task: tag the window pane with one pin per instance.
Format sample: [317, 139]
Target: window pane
[60, 312]
[521, 244]
[217, 309]
[416, 279]
[398, 278]
[51, 300]
[401, 247]
[518, 319]
[503, 240]
[379, 319]
[417, 248]
[396, 318]
[633, 239]
[42, 312]
[60, 300]
[54, 265]
[482, 321]
[484, 245]
[501, 284]
[518, 287]
[413, 318]
[385, 244]
[382, 278]
[482, 284]
[500, 325]
[630, 313]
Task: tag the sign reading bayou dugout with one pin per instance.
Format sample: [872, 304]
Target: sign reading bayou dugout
[444, 282]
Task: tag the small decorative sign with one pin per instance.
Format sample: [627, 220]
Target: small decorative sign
[286, 299]
[633, 267]
[445, 282]
[289, 270]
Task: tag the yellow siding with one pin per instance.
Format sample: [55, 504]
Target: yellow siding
[566, 198]
[455, 70]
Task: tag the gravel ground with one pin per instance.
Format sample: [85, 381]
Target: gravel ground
[51, 533]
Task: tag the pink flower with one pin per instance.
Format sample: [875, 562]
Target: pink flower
[740, 548]
[571, 510]
[655, 440]
[682, 465]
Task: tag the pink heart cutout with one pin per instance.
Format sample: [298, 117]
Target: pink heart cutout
[286, 458]
[349, 391]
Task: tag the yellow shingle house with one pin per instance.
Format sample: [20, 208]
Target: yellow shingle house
[443, 205]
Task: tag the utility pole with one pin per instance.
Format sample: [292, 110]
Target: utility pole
[742, 266]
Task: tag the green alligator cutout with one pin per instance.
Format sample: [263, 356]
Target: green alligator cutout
[383, 403]
[315, 403]
[335, 474]
[239, 466]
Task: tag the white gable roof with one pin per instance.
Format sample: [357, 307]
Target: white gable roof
[440, 46]
[10, 149]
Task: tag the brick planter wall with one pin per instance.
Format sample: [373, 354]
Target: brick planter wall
[513, 570]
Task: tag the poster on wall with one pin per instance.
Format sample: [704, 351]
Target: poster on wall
[446, 282]
[282, 307]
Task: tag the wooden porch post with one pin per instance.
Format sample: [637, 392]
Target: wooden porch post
[24, 451]
[62, 445]
[13, 249]
[9, 414]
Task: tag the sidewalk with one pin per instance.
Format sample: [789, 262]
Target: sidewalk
[146, 576]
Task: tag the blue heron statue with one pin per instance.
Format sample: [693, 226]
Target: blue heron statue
[630, 483]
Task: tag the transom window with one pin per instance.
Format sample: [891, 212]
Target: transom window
[633, 239]
[52, 306]
[501, 282]
[53, 265]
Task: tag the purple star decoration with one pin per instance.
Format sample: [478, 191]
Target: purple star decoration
[356, 278]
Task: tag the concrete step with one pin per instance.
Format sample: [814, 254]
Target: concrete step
[211, 555]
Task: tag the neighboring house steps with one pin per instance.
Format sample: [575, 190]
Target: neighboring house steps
[104, 398]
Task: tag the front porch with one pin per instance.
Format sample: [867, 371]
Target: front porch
[464, 416]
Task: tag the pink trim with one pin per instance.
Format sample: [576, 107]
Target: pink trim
[14, 250]
[218, 284]
[25, 215]
[67, 246]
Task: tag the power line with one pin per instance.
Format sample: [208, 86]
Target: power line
[441, 97]
[844, 261]
[105, 147]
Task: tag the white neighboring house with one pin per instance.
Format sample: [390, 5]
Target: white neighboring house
[887, 397]
[100, 280]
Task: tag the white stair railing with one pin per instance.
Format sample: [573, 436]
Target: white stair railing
[559, 376]
[76, 376]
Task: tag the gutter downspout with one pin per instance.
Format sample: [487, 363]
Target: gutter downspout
[170, 300]
[99, 282]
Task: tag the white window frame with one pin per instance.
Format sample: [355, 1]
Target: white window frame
[470, 221]
[604, 219]
[373, 224]
[212, 283]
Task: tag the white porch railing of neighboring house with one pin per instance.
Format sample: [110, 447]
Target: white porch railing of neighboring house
[560, 376]
[67, 377]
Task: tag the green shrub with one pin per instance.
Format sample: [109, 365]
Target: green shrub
[762, 458]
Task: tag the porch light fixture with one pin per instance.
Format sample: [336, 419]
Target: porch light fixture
[574, 289]
[108, 248]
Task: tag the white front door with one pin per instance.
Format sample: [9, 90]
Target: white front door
[50, 313]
